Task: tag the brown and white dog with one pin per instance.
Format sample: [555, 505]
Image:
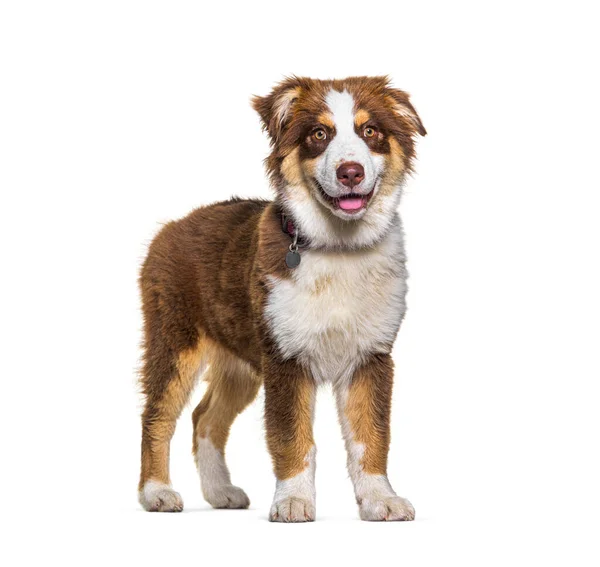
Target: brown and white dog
[316, 298]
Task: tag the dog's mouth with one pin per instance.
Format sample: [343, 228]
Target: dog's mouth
[351, 203]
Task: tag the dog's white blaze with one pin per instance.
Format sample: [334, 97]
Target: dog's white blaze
[300, 487]
[312, 214]
[340, 306]
[347, 145]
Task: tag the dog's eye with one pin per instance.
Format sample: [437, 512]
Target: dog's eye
[320, 135]
[369, 132]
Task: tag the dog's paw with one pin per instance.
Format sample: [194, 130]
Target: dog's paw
[292, 510]
[158, 497]
[227, 496]
[390, 509]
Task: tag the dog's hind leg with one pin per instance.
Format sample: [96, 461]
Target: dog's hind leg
[232, 386]
[172, 358]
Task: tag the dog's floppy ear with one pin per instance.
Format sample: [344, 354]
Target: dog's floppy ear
[402, 107]
[276, 108]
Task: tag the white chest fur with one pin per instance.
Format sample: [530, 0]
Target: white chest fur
[339, 307]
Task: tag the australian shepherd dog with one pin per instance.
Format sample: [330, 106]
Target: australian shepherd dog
[289, 294]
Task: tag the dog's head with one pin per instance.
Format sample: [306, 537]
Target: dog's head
[345, 144]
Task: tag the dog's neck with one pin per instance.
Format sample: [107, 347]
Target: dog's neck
[318, 227]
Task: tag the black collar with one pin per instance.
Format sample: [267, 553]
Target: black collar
[289, 228]
[292, 258]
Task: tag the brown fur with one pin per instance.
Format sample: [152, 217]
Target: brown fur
[290, 392]
[198, 292]
[232, 385]
[204, 285]
[368, 411]
[305, 104]
[361, 117]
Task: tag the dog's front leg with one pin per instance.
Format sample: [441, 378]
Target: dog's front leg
[289, 410]
[364, 410]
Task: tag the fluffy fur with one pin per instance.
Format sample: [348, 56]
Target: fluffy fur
[340, 153]
[360, 291]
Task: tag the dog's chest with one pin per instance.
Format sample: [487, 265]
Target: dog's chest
[339, 307]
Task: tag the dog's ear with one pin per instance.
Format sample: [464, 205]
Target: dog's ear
[276, 108]
[402, 107]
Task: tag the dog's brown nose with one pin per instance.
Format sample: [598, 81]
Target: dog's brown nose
[350, 173]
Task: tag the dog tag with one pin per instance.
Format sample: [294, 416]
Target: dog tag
[292, 259]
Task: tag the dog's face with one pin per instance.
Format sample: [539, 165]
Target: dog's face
[347, 144]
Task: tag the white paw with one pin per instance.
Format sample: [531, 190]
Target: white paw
[390, 509]
[158, 497]
[227, 496]
[292, 510]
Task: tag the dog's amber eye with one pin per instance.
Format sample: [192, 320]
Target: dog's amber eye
[320, 135]
[369, 132]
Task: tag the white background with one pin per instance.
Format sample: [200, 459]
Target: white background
[117, 116]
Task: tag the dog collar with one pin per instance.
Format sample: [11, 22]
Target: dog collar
[292, 258]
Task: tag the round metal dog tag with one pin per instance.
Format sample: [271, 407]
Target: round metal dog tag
[292, 259]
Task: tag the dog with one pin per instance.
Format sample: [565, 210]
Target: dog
[290, 294]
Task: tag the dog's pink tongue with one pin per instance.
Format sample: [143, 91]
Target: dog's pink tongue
[351, 204]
